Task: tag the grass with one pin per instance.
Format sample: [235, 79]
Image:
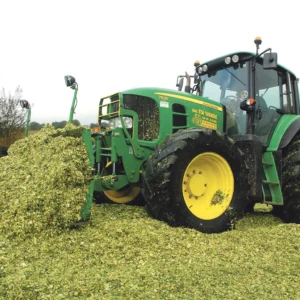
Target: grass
[123, 254]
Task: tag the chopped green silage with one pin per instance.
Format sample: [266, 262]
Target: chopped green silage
[43, 182]
[124, 254]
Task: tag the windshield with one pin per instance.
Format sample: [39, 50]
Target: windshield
[229, 87]
[225, 82]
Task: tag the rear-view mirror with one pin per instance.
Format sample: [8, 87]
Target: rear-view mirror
[270, 60]
[180, 84]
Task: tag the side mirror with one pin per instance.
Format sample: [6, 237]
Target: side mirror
[69, 80]
[270, 60]
[180, 84]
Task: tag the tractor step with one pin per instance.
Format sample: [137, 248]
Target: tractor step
[271, 181]
[267, 164]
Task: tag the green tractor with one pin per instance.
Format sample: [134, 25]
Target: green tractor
[201, 157]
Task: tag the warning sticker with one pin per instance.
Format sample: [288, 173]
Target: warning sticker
[164, 104]
[205, 119]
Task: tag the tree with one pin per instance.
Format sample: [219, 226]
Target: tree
[94, 125]
[12, 116]
[76, 122]
[35, 126]
[60, 124]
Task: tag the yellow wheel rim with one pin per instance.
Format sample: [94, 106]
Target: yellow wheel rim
[124, 196]
[208, 186]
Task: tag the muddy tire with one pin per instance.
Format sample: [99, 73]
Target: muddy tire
[197, 178]
[277, 211]
[129, 196]
[249, 208]
[290, 181]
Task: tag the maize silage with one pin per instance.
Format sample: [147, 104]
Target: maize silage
[124, 254]
[43, 182]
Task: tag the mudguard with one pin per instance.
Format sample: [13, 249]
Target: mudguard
[284, 132]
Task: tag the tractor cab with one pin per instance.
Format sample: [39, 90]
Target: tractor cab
[254, 90]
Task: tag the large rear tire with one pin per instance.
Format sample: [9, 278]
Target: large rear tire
[197, 178]
[290, 181]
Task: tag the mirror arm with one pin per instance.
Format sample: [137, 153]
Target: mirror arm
[187, 87]
[260, 54]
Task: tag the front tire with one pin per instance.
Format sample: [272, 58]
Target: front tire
[196, 178]
[130, 196]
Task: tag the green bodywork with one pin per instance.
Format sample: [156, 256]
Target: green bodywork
[119, 144]
[111, 146]
[284, 123]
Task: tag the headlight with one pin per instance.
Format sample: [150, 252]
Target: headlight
[127, 122]
[200, 70]
[227, 60]
[205, 68]
[235, 58]
[116, 122]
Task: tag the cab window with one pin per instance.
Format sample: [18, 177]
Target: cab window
[271, 96]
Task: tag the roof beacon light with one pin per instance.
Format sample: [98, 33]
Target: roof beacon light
[257, 42]
[196, 63]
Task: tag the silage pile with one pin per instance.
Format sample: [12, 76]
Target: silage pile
[43, 182]
[124, 254]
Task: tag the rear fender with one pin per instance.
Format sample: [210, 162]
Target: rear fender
[286, 129]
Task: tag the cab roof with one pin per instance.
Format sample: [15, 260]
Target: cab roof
[219, 63]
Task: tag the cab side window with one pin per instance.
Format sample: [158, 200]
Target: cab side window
[267, 87]
[273, 89]
[270, 95]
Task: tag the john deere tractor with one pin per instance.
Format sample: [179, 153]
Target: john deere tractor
[202, 156]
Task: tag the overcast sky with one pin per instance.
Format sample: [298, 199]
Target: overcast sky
[114, 45]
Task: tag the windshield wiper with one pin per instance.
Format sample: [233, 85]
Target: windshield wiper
[236, 77]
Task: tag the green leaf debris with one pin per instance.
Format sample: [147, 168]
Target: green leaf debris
[43, 182]
[122, 253]
[218, 197]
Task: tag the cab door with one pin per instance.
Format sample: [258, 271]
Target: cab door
[273, 99]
